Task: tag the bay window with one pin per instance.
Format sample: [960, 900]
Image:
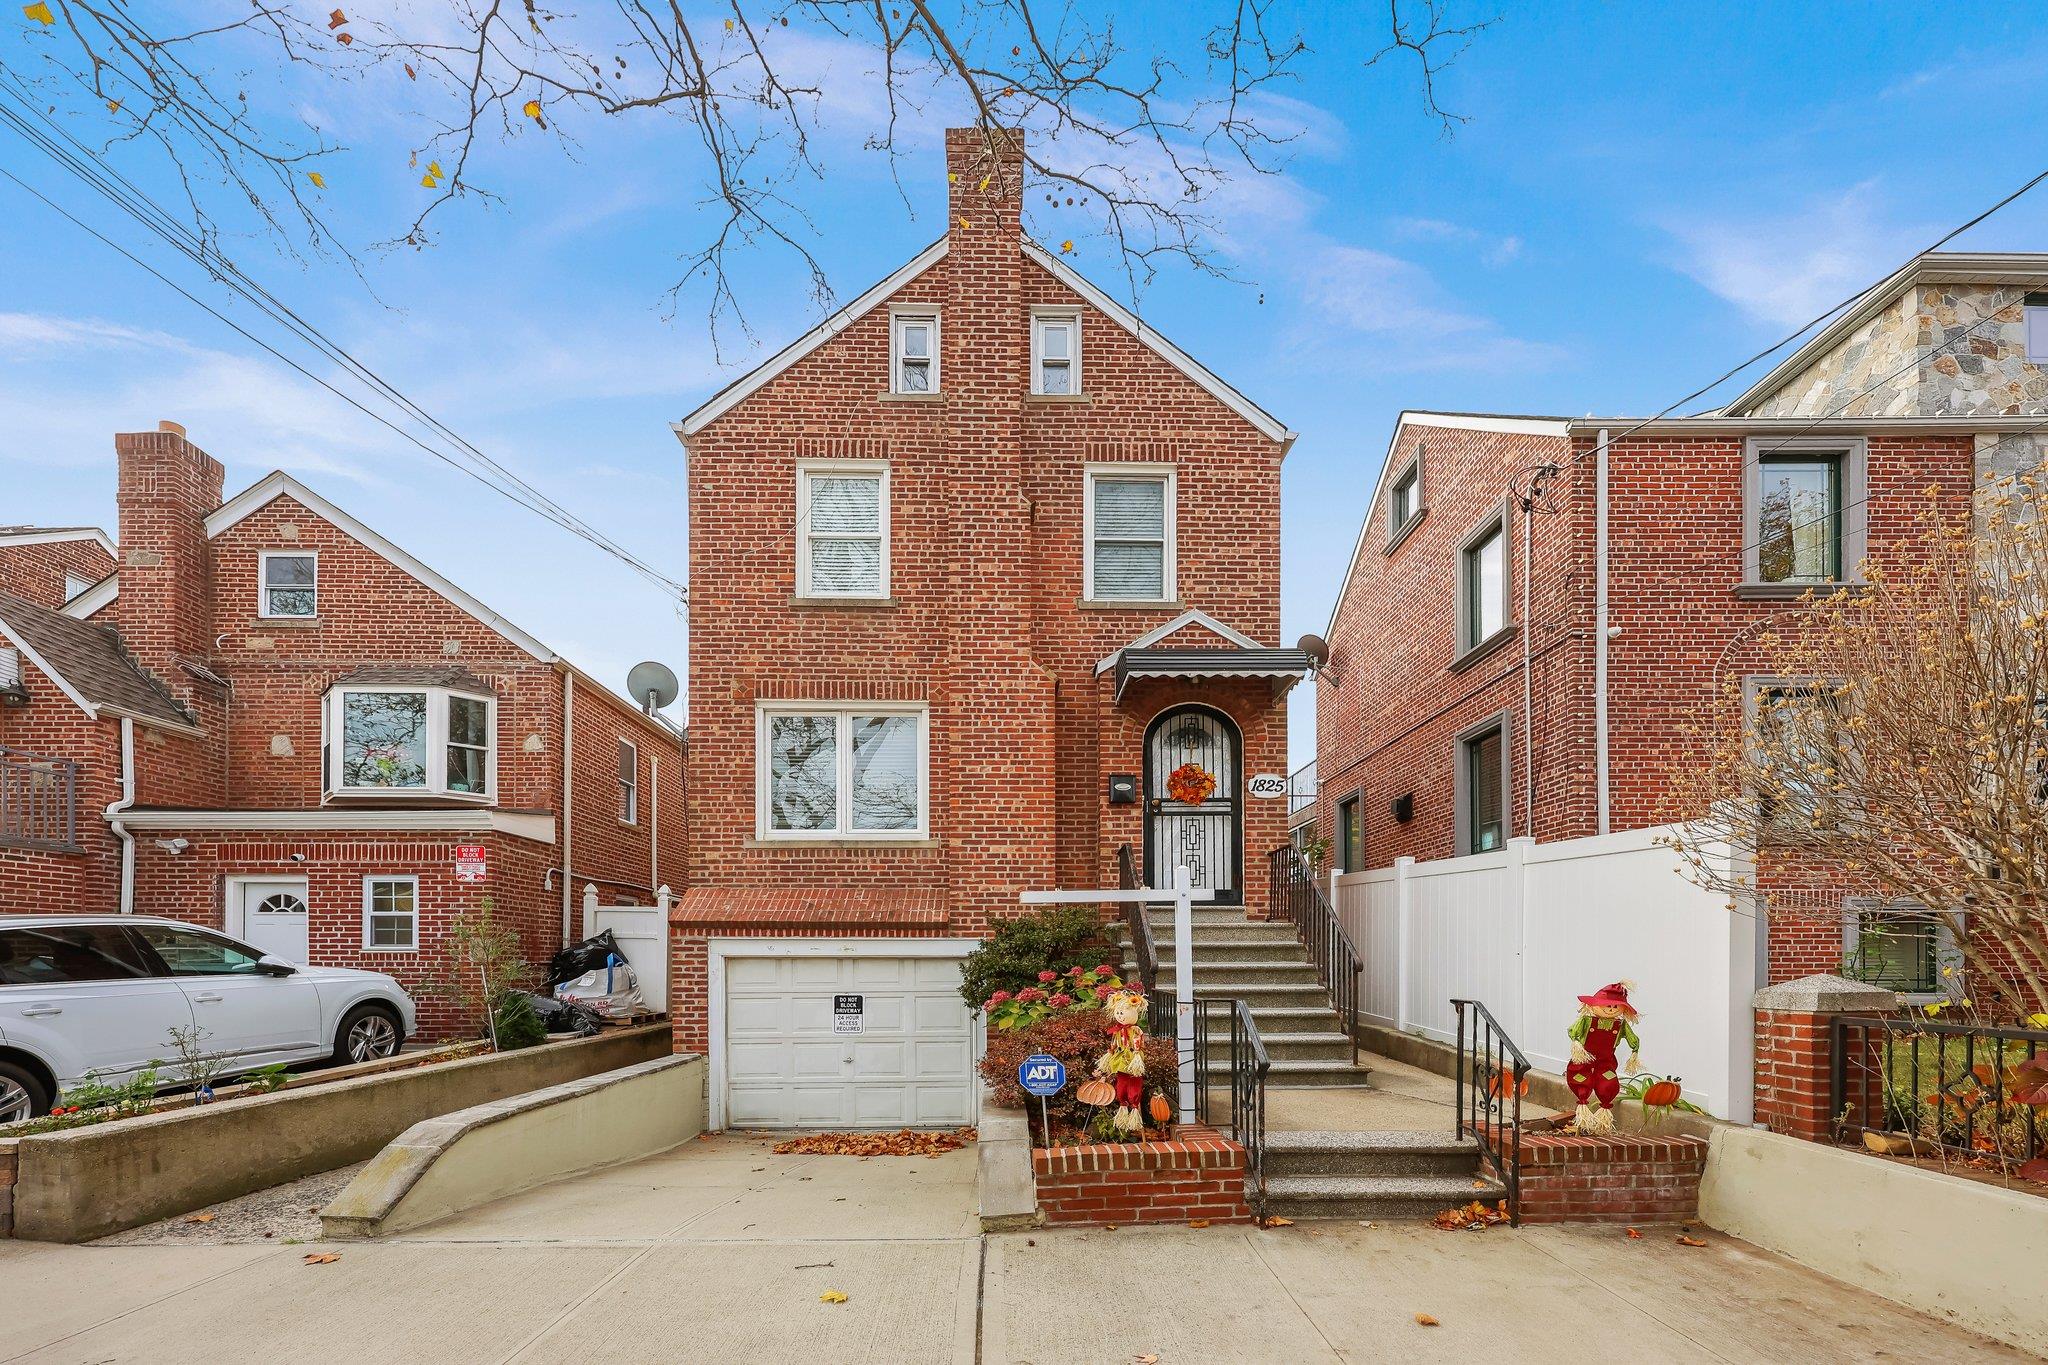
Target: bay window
[842, 771]
[414, 741]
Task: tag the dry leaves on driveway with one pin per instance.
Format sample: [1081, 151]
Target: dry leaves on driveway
[906, 1142]
[1472, 1217]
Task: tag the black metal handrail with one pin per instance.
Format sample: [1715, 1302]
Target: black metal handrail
[1946, 1087]
[38, 801]
[1144, 947]
[1493, 1112]
[1299, 900]
[1248, 1067]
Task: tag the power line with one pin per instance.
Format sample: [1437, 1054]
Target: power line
[125, 195]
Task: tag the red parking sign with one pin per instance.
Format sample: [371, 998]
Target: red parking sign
[472, 862]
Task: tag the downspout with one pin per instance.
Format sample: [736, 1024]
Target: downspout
[568, 791]
[114, 809]
[1600, 638]
[1528, 829]
[654, 821]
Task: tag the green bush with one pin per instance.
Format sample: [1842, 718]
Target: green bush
[1051, 940]
[518, 1024]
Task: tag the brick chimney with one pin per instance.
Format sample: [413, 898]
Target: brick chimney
[168, 485]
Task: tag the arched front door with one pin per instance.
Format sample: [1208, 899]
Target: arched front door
[1191, 801]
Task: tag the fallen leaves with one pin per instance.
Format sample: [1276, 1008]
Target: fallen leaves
[1198, 1222]
[1472, 1217]
[1635, 1235]
[1146, 1359]
[905, 1142]
[1686, 1241]
[1277, 1222]
[322, 1257]
[832, 1296]
[200, 1218]
[1425, 1320]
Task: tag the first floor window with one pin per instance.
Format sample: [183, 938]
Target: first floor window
[391, 912]
[1350, 835]
[290, 586]
[1130, 536]
[843, 530]
[1899, 948]
[1486, 790]
[1485, 585]
[1799, 518]
[1795, 745]
[629, 782]
[425, 740]
[842, 772]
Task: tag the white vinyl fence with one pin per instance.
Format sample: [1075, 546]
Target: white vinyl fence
[642, 932]
[1529, 928]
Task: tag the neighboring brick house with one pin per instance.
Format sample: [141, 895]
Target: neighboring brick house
[54, 565]
[1656, 554]
[974, 566]
[272, 720]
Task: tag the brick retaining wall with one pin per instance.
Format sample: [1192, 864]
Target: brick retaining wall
[1199, 1174]
[1622, 1178]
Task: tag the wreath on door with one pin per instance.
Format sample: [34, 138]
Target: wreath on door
[1189, 784]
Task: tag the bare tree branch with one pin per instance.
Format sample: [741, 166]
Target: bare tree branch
[1436, 46]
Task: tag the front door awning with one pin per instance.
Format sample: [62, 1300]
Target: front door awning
[1282, 666]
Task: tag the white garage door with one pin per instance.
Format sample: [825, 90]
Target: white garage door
[911, 1065]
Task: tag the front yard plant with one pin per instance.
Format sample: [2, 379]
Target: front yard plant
[1078, 1039]
[1013, 958]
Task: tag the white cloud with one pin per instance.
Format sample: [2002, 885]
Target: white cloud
[1493, 250]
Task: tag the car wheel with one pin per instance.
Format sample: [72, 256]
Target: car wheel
[367, 1034]
[21, 1095]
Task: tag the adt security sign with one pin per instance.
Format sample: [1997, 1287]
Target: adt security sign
[1041, 1075]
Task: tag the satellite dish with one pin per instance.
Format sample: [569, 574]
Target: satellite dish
[653, 685]
[1317, 649]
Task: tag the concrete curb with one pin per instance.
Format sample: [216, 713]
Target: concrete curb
[1003, 1182]
[442, 1166]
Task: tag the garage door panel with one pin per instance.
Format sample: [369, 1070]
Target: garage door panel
[883, 1013]
[936, 974]
[938, 1106]
[883, 973]
[881, 1061]
[755, 1061]
[750, 973]
[813, 971]
[940, 1014]
[934, 1058]
[747, 1017]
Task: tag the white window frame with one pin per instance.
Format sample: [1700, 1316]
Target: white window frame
[806, 470]
[843, 829]
[373, 879]
[76, 585]
[333, 736]
[263, 585]
[1093, 474]
[1070, 318]
[2034, 327]
[630, 790]
[900, 318]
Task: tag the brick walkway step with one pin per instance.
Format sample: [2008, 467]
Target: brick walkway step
[1371, 1153]
[1374, 1196]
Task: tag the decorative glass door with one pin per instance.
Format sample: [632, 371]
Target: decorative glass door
[1191, 801]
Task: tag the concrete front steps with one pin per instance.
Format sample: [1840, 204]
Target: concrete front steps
[1373, 1174]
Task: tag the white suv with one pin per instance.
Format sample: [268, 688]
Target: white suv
[101, 994]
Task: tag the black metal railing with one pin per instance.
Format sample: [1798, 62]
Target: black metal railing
[1491, 1074]
[1300, 901]
[1969, 1091]
[1144, 948]
[38, 801]
[1247, 1071]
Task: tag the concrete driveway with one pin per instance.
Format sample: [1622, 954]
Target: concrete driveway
[719, 1251]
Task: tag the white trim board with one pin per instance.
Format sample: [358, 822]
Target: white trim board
[1190, 617]
[38, 536]
[537, 826]
[280, 484]
[93, 598]
[717, 950]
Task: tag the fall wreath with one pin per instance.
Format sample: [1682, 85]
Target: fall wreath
[1189, 785]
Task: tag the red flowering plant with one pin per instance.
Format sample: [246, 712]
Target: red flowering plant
[1079, 988]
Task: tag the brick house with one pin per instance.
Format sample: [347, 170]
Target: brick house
[974, 565]
[272, 720]
[1498, 672]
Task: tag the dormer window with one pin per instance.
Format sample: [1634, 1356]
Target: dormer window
[1056, 354]
[914, 353]
[391, 740]
[76, 583]
[290, 585]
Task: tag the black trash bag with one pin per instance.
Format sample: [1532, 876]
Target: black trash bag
[567, 1016]
[591, 955]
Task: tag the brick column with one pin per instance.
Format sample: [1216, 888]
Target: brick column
[1794, 1052]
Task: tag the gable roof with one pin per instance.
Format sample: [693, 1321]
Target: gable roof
[89, 664]
[1190, 617]
[740, 389]
[49, 535]
[1514, 423]
[1932, 267]
[280, 484]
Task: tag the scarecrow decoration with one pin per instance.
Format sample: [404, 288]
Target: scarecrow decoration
[1123, 1065]
[1606, 1020]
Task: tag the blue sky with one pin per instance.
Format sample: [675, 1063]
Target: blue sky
[1643, 196]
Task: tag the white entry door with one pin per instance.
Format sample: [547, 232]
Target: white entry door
[274, 918]
[846, 1042]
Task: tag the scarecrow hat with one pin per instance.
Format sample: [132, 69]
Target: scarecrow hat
[1615, 994]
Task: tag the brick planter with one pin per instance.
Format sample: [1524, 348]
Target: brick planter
[1618, 1178]
[1197, 1174]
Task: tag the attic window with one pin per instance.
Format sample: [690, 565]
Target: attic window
[76, 583]
[290, 585]
[2036, 311]
[914, 353]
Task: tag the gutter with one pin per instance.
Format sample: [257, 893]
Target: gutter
[1600, 632]
[113, 813]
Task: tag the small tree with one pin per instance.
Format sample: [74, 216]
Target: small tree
[1904, 740]
[479, 962]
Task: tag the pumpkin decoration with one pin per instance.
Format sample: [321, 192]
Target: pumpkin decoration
[1662, 1094]
[1498, 1085]
[1095, 1092]
[1189, 784]
[1160, 1110]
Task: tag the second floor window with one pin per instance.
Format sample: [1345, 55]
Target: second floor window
[842, 530]
[629, 783]
[424, 741]
[914, 353]
[1129, 537]
[854, 771]
[1799, 518]
[1056, 354]
[290, 584]
[1483, 585]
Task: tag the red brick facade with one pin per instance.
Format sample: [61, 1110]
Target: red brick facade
[984, 623]
[242, 789]
[1197, 1175]
[36, 563]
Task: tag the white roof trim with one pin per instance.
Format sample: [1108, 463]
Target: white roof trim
[262, 493]
[28, 652]
[538, 826]
[1190, 617]
[42, 537]
[1268, 425]
[1559, 427]
[93, 598]
[1934, 267]
[737, 392]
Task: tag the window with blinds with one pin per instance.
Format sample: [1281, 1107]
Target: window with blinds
[843, 530]
[1129, 536]
[1056, 354]
[629, 783]
[914, 353]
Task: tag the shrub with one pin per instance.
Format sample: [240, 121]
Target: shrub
[517, 1023]
[1051, 940]
[1077, 988]
[1077, 1039]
